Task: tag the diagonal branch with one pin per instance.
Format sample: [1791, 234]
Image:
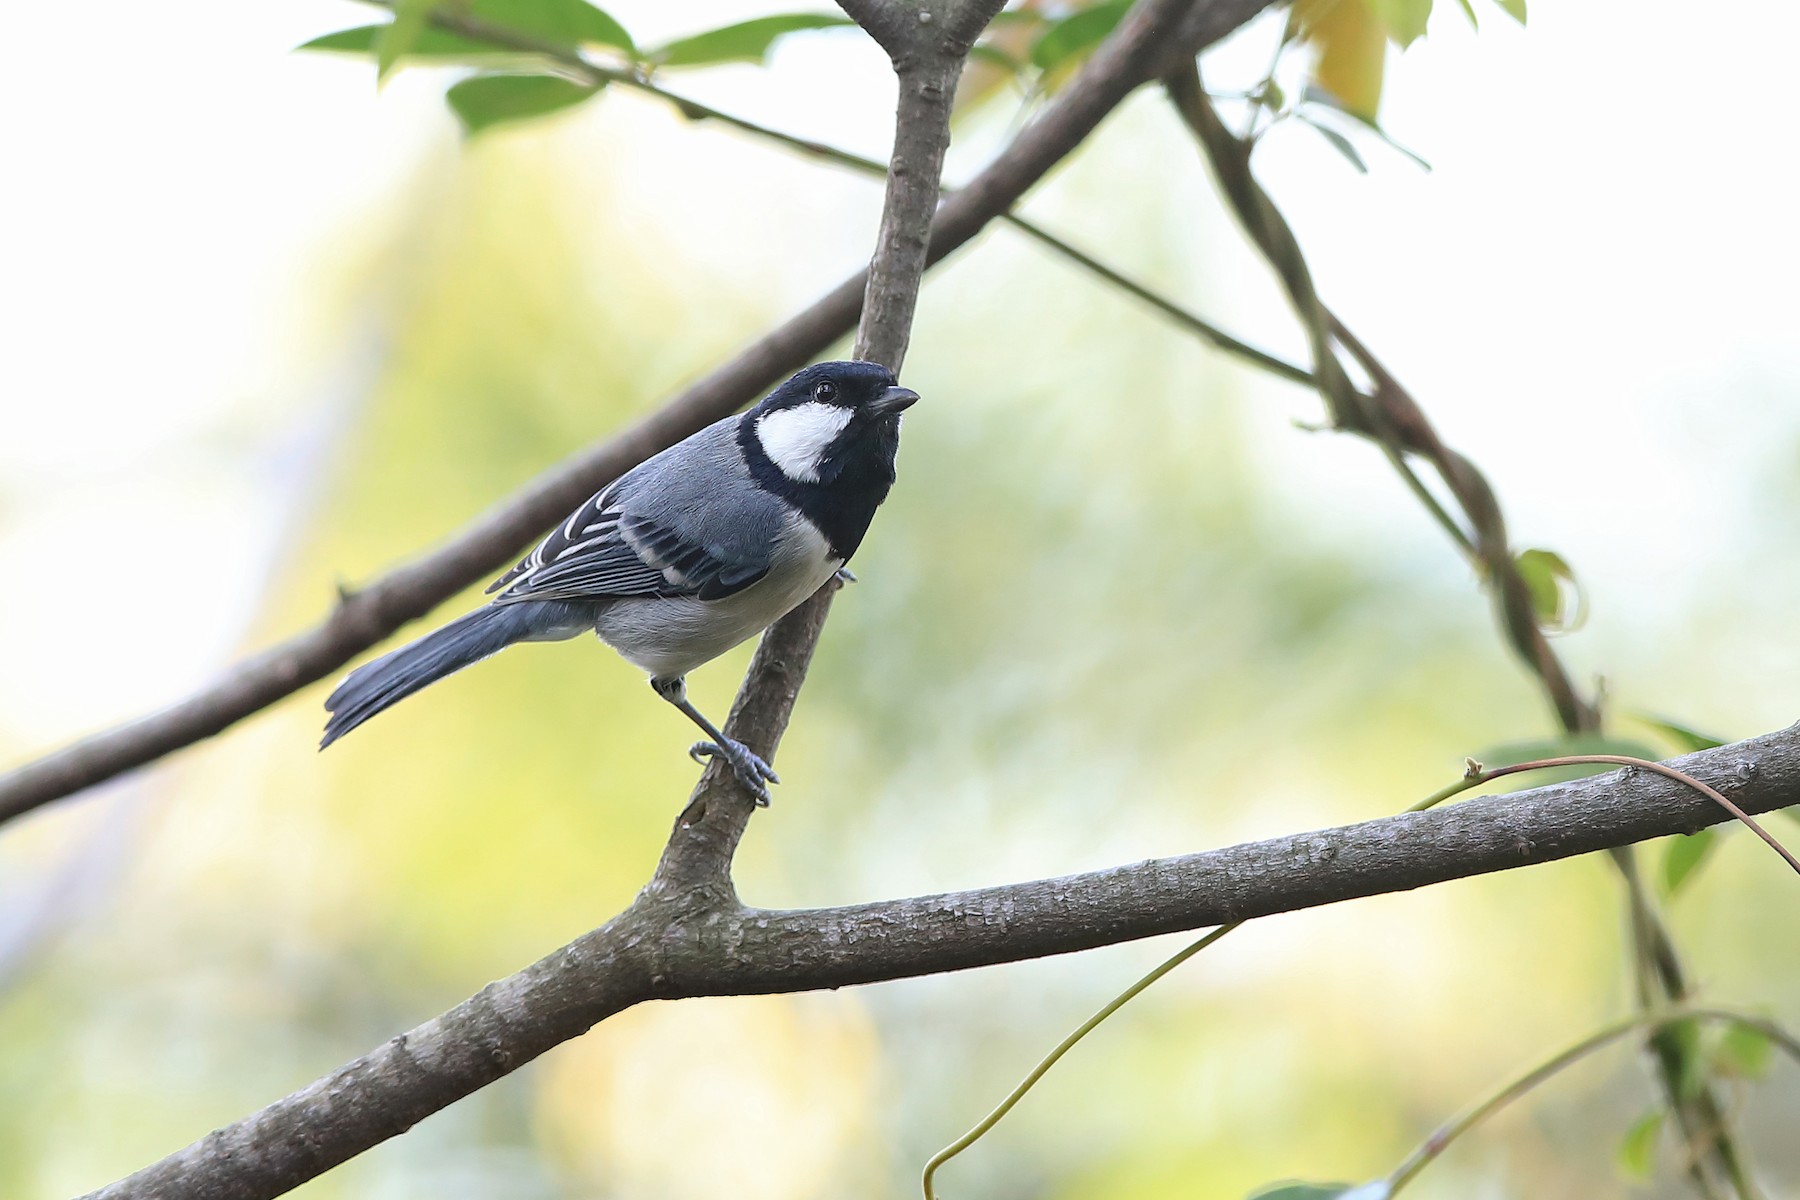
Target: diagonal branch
[1165, 30]
[1389, 416]
[669, 945]
[928, 58]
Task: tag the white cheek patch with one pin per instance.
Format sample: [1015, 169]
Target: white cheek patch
[795, 438]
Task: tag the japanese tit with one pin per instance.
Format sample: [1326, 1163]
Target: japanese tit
[687, 554]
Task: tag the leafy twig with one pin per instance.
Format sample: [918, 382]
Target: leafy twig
[695, 110]
[1392, 418]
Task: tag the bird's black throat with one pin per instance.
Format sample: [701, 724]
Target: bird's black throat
[854, 478]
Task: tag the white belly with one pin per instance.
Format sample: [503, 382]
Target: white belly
[672, 636]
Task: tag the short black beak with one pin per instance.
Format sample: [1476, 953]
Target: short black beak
[894, 400]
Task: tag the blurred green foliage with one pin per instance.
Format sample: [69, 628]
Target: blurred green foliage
[1091, 628]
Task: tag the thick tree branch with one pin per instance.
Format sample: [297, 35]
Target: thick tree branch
[1156, 36]
[671, 944]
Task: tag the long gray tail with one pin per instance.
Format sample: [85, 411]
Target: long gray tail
[469, 639]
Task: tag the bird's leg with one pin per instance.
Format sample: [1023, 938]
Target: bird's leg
[749, 767]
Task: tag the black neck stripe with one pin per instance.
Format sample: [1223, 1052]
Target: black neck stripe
[843, 503]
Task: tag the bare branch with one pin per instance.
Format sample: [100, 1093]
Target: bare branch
[489, 543]
[669, 945]
[926, 67]
[697, 860]
[915, 173]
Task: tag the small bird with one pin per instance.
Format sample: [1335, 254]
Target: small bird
[687, 554]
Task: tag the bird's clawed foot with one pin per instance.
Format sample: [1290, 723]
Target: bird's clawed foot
[749, 767]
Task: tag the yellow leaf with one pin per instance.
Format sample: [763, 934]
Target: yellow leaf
[1350, 49]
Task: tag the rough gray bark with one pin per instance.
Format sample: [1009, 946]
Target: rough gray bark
[690, 937]
[928, 50]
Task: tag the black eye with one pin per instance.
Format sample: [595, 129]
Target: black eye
[825, 391]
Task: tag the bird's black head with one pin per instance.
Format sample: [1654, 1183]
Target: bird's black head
[829, 419]
[827, 440]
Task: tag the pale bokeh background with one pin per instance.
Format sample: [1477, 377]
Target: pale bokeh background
[266, 328]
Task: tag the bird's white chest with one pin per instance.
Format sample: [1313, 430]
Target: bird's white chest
[671, 636]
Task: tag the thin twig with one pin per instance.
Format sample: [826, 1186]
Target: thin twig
[1513, 1089]
[1664, 769]
[926, 68]
[1472, 779]
[1063, 1047]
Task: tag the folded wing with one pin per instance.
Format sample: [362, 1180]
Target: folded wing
[664, 529]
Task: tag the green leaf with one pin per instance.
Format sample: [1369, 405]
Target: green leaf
[1302, 1191]
[994, 56]
[1681, 1040]
[568, 24]
[1016, 16]
[1555, 595]
[396, 38]
[1684, 739]
[565, 22]
[747, 41]
[1584, 743]
[431, 43]
[493, 99]
[1076, 36]
[1404, 20]
[1468, 8]
[1684, 856]
[1744, 1051]
[1636, 1155]
[1514, 9]
[1339, 142]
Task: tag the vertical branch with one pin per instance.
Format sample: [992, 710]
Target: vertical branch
[921, 135]
[928, 45]
[696, 864]
[928, 42]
